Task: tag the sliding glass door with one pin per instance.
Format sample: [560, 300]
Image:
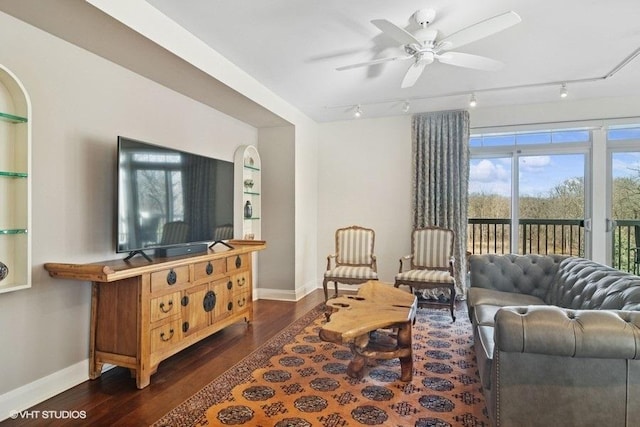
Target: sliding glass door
[623, 222]
[528, 193]
[551, 202]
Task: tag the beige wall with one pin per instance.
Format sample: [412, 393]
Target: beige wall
[364, 178]
[80, 104]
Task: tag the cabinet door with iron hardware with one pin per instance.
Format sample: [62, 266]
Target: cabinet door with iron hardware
[224, 304]
[197, 303]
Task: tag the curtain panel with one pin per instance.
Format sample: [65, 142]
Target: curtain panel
[440, 143]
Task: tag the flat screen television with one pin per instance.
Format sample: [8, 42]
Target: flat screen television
[170, 199]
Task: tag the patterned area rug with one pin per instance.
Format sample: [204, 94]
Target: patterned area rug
[297, 380]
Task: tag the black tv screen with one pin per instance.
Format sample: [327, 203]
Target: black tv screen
[167, 197]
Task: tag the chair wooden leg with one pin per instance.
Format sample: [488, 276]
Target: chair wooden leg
[335, 287]
[326, 292]
[453, 302]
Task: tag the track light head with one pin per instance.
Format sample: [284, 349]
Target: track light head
[406, 107]
[473, 101]
[563, 91]
[358, 112]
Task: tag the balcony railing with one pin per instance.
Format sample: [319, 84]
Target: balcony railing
[626, 240]
[552, 236]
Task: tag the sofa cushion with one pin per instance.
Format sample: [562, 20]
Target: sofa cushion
[481, 296]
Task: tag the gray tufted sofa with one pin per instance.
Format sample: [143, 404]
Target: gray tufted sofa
[557, 340]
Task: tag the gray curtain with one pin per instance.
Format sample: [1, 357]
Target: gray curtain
[441, 178]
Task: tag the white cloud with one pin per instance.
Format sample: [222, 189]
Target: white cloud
[534, 163]
[488, 171]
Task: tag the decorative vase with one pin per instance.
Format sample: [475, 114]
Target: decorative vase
[248, 210]
[4, 270]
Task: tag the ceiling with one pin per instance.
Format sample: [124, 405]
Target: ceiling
[294, 46]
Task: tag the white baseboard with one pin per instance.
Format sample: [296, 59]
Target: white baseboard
[31, 394]
[284, 295]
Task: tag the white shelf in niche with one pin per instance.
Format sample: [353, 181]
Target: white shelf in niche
[15, 183]
[248, 189]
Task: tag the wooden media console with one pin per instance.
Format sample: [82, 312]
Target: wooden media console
[144, 312]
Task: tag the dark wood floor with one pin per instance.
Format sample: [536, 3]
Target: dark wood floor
[114, 400]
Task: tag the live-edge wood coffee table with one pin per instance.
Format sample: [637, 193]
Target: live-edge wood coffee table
[359, 320]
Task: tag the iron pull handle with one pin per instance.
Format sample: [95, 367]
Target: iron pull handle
[209, 301]
[209, 269]
[242, 281]
[238, 262]
[166, 339]
[162, 305]
[242, 302]
[172, 277]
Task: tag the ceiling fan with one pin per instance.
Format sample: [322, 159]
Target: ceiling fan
[424, 47]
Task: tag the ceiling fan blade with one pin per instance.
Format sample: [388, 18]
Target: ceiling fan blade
[398, 34]
[413, 74]
[373, 62]
[479, 30]
[470, 61]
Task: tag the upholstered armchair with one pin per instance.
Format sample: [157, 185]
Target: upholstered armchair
[430, 264]
[354, 261]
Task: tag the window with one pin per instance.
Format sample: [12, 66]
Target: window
[527, 192]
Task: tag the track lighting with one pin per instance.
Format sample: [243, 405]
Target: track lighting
[406, 107]
[358, 112]
[473, 101]
[563, 91]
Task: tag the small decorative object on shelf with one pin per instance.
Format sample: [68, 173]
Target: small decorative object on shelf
[247, 206]
[4, 270]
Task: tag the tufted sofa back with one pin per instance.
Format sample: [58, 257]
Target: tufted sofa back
[528, 274]
[582, 284]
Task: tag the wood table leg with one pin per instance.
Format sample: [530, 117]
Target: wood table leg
[404, 342]
[356, 366]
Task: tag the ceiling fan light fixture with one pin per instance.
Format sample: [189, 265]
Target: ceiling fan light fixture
[563, 91]
[473, 101]
[358, 112]
[406, 107]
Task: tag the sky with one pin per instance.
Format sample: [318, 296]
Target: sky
[539, 174]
